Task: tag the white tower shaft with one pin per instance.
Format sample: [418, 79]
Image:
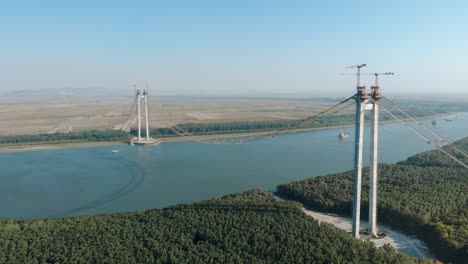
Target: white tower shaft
[373, 170]
[358, 164]
[146, 115]
[139, 115]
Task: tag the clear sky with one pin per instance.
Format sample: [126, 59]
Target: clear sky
[236, 47]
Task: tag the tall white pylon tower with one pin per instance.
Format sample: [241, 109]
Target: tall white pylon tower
[142, 98]
[362, 105]
[376, 96]
[139, 96]
[145, 95]
[361, 100]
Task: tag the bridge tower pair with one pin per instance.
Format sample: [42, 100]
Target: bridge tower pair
[142, 98]
[363, 104]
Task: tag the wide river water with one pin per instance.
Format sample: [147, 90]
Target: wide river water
[86, 181]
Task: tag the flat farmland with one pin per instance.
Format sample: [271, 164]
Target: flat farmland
[44, 115]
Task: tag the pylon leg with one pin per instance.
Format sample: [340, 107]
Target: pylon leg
[373, 170]
[146, 117]
[358, 165]
[139, 115]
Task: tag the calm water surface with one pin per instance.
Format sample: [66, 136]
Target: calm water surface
[84, 181]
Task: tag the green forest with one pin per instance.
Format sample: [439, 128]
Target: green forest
[250, 227]
[426, 195]
[93, 135]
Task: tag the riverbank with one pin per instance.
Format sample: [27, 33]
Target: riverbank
[66, 145]
[285, 131]
[54, 146]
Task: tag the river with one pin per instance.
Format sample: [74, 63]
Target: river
[87, 181]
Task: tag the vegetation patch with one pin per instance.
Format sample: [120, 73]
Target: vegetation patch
[88, 136]
[248, 227]
[425, 195]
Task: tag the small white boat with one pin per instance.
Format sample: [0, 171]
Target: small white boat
[343, 135]
[115, 151]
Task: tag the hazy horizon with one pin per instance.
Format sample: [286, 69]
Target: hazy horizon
[238, 48]
[119, 92]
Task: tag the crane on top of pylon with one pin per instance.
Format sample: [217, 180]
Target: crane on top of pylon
[358, 67]
[377, 74]
[375, 88]
[361, 90]
[375, 93]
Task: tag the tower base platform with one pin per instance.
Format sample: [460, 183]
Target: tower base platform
[144, 142]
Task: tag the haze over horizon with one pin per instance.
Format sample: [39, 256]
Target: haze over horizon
[234, 48]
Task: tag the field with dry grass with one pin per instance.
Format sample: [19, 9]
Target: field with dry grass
[34, 114]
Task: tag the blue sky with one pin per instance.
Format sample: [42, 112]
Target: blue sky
[241, 47]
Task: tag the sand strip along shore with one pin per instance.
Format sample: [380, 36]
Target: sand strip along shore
[401, 242]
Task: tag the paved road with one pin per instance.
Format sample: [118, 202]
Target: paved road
[401, 242]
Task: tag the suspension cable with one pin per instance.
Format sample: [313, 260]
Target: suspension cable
[189, 136]
[330, 108]
[129, 114]
[184, 133]
[427, 128]
[321, 116]
[181, 132]
[424, 137]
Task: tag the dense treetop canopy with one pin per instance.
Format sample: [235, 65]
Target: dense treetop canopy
[425, 195]
[249, 227]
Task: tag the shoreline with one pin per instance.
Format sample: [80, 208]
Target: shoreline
[411, 246]
[11, 148]
[55, 146]
[400, 241]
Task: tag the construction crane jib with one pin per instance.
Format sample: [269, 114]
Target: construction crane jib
[366, 102]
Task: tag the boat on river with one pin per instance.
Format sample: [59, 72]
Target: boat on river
[343, 135]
